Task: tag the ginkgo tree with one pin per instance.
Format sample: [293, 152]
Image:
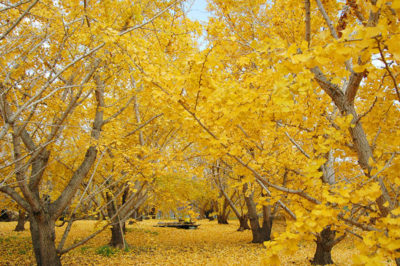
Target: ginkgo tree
[57, 97]
[300, 99]
[279, 93]
[293, 54]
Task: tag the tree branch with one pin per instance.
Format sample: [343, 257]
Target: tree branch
[327, 19]
[308, 22]
[15, 196]
[297, 145]
[150, 20]
[18, 20]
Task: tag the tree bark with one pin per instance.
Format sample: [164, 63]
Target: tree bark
[325, 242]
[117, 236]
[21, 221]
[260, 234]
[117, 228]
[222, 217]
[43, 237]
[243, 223]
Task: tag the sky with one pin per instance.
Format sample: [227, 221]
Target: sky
[198, 10]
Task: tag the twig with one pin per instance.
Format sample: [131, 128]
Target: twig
[308, 22]
[143, 125]
[297, 145]
[369, 110]
[18, 20]
[149, 21]
[388, 68]
[327, 19]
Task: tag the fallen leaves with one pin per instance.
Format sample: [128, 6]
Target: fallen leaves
[211, 244]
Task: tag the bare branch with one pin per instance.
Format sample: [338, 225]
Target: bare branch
[15, 196]
[297, 145]
[327, 19]
[308, 22]
[150, 20]
[357, 224]
[198, 120]
[301, 193]
[369, 110]
[331, 89]
[279, 201]
[143, 125]
[119, 111]
[138, 120]
[18, 20]
[352, 86]
[34, 100]
[13, 6]
[387, 67]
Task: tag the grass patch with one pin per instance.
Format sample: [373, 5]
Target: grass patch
[106, 251]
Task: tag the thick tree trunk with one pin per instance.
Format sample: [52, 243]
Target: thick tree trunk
[268, 218]
[21, 221]
[260, 234]
[243, 223]
[117, 236]
[117, 228]
[222, 219]
[43, 236]
[325, 242]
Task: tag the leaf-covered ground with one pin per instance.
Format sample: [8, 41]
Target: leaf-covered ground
[211, 244]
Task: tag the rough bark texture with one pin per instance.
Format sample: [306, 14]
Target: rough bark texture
[243, 223]
[117, 231]
[43, 236]
[21, 221]
[117, 236]
[222, 219]
[260, 234]
[222, 216]
[325, 242]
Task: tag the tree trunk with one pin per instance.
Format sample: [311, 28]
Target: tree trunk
[43, 236]
[397, 261]
[117, 228]
[243, 223]
[325, 242]
[222, 217]
[117, 236]
[21, 221]
[260, 234]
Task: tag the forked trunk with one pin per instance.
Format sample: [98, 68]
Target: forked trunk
[243, 223]
[43, 236]
[224, 213]
[325, 242]
[260, 234]
[21, 221]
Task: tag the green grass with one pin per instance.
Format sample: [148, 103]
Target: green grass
[106, 251]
